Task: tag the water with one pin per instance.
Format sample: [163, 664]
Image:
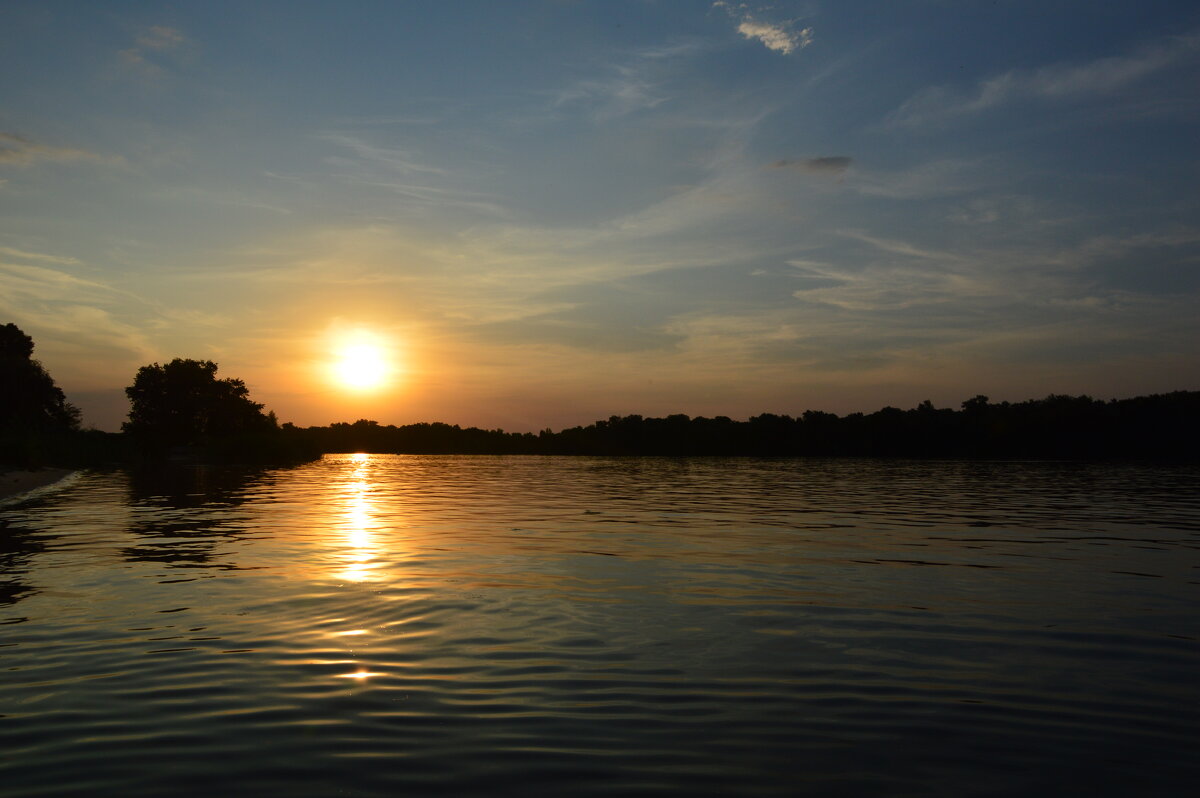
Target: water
[382, 625]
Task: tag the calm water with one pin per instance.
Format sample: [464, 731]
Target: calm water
[391, 625]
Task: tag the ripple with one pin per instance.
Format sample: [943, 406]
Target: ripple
[371, 625]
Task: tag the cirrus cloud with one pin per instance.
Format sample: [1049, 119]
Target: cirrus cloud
[1054, 82]
[821, 165]
[20, 151]
[156, 39]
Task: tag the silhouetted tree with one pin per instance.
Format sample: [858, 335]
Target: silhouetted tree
[29, 397]
[184, 404]
[33, 410]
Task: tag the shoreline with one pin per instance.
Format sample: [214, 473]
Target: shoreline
[14, 483]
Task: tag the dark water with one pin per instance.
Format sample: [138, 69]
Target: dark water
[385, 625]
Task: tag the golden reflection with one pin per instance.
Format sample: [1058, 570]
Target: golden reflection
[360, 537]
[360, 674]
[360, 525]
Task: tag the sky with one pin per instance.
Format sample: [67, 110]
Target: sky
[543, 213]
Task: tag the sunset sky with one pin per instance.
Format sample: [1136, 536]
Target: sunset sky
[543, 213]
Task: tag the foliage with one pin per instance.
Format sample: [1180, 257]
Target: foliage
[30, 398]
[34, 412]
[182, 409]
[184, 404]
[1164, 426]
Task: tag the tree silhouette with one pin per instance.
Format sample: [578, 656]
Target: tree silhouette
[1163, 426]
[184, 404]
[29, 397]
[32, 408]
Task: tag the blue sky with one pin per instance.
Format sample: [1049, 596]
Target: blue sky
[553, 212]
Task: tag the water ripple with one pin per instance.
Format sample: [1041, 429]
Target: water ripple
[368, 625]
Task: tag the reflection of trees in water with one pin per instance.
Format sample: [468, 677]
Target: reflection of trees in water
[17, 547]
[183, 514]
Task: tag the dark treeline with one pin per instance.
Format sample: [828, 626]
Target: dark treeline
[183, 412]
[1162, 426]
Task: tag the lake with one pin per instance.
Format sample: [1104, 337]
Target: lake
[378, 625]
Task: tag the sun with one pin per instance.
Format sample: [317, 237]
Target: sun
[361, 366]
[361, 361]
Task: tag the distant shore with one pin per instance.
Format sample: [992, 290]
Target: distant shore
[14, 482]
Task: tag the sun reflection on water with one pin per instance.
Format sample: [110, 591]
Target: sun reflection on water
[359, 537]
[360, 524]
[361, 674]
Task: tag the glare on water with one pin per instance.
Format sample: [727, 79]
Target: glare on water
[362, 554]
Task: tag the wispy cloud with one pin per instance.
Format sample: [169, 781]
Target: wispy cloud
[624, 93]
[940, 178]
[636, 83]
[403, 173]
[18, 150]
[35, 282]
[781, 37]
[823, 165]
[394, 159]
[1111, 247]
[80, 316]
[1052, 82]
[151, 42]
[159, 37]
[897, 247]
[93, 343]
[67, 307]
[41, 257]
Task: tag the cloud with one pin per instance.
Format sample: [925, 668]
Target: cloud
[777, 36]
[23, 284]
[1053, 82]
[824, 165]
[618, 96]
[68, 308]
[38, 256]
[160, 37]
[401, 173]
[941, 178]
[897, 247]
[19, 151]
[81, 317]
[1075, 257]
[157, 39]
[37, 283]
[394, 159]
[99, 327]
[1012, 208]
[628, 87]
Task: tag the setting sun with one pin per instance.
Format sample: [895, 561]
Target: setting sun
[361, 361]
[361, 366]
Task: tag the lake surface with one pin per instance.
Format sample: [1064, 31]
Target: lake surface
[372, 625]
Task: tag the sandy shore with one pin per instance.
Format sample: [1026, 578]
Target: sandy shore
[14, 482]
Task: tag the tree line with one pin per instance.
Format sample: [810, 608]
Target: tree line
[182, 411]
[1162, 426]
